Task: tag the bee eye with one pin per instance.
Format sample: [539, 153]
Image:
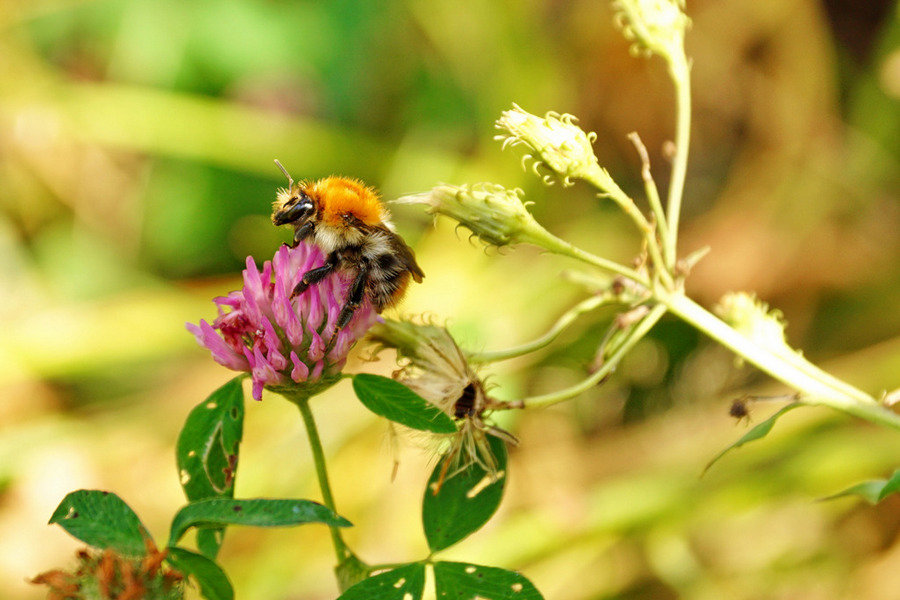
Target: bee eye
[297, 208]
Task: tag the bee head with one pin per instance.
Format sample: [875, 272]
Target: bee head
[292, 205]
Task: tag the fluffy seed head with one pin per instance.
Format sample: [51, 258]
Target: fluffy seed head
[433, 366]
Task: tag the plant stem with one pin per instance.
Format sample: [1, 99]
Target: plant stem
[817, 386]
[340, 548]
[608, 367]
[564, 321]
[680, 72]
[650, 187]
[601, 180]
[546, 240]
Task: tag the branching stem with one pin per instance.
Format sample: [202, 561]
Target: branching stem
[564, 321]
[544, 239]
[638, 332]
[816, 386]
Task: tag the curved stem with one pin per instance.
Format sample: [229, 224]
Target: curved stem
[340, 548]
[546, 240]
[650, 189]
[608, 367]
[680, 72]
[600, 179]
[564, 321]
[662, 268]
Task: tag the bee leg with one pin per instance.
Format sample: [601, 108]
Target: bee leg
[314, 276]
[354, 298]
[303, 232]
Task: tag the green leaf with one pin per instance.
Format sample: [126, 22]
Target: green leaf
[396, 402]
[464, 501]
[872, 491]
[463, 581]
[101, 520]
[256, 512]
[758, 432]
[403, 583]
[891, 486]
[207, 453]
[213, 582]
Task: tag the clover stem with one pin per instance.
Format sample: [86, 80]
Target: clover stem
[315, 444]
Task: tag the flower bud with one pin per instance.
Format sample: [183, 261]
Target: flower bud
[656, 26]
[493, 213]
[555, 140]
[752, 318]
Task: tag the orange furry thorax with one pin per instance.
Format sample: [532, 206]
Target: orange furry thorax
[338, 197]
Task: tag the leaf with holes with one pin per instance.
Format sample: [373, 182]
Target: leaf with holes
[396, 402]
[101, 520]
[463, 502]
[213, 583]
[207, 453]
[403, 583]
[463, 581]
[256, 512]
[758, 432]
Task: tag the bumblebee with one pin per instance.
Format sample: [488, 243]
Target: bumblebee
[348, 222]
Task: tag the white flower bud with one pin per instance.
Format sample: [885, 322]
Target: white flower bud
[493, 213]
[752, 318]
[656, 26]
[555, 141]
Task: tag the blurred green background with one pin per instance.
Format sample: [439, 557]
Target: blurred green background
[136, 174]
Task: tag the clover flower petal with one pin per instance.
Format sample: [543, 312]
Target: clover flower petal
[279, 340]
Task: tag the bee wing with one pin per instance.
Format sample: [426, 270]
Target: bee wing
[405, 255]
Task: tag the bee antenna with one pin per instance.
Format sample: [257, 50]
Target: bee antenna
[286, 174]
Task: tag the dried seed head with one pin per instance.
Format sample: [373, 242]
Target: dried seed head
[433, 366]
[108, 574]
